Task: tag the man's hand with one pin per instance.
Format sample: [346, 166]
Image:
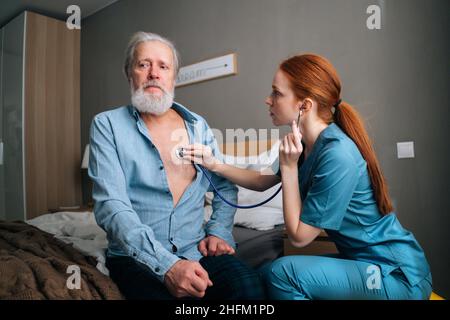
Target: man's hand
[214, 246]
[187, 278]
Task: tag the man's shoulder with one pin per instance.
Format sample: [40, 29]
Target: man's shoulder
[191, 113]
[114, 113]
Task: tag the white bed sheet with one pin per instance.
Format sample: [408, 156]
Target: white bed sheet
[78, 228]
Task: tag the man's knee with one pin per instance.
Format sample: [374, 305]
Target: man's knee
[136, 281]
[250, 287]
[247, 283]
[241, 281]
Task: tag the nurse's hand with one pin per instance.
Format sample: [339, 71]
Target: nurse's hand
[202, 155]
[291, 148]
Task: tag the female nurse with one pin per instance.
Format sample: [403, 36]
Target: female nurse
[331, 180]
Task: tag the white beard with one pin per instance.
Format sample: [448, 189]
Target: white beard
[150, 103]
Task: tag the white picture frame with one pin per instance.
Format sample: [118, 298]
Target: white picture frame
[214, 68]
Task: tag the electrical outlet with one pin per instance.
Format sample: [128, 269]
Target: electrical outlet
[405, 149]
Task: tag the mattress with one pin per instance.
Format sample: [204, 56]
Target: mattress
[256, 247]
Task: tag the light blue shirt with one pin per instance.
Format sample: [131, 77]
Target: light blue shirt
[337, 196]
[133, 202]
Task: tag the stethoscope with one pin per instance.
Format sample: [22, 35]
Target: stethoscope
[179, 153]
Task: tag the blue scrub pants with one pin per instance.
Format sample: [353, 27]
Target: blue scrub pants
[322, 277]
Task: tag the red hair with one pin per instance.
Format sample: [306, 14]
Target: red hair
[312, 76]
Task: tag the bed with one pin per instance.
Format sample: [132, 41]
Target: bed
[38, 257]
[45, 247]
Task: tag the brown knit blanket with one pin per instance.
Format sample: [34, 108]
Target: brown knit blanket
[36, 265]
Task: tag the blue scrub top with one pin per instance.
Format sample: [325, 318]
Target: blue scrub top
[337, 196]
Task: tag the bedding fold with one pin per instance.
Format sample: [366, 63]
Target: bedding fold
[36, 265]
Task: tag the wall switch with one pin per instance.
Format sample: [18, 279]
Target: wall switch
[405, 149]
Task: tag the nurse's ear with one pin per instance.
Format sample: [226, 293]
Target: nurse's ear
[305, 106]
[301, 108]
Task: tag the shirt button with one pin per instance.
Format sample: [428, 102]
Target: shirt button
[134, 254]
[156, 269]
[171, 239]
[161, 167]
[174, 248]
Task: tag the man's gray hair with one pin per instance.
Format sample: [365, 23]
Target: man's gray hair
[139, 37]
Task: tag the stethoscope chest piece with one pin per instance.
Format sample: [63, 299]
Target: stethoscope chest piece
[179, 152]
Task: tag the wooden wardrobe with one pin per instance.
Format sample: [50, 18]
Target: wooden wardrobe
[40, 117]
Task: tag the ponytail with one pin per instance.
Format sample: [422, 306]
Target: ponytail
[314, 76]
[348, 119]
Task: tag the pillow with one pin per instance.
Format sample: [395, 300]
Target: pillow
[265, 217]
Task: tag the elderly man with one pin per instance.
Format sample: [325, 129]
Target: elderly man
[150, 203]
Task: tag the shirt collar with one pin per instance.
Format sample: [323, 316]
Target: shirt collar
[331, 132]
[178, 107]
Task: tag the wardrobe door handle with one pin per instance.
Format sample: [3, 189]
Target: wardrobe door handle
[1, 153]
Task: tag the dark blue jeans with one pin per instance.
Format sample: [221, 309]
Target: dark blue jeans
[231, 279]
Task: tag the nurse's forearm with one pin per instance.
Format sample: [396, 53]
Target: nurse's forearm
[291, 200]
[250, 179]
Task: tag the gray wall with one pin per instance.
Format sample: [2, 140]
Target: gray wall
[397, 77]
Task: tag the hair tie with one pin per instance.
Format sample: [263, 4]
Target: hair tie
[337, 103]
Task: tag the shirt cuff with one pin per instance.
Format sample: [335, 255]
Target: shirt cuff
[214, 229]
[159, 266]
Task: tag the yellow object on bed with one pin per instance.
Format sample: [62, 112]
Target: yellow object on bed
[434, 296]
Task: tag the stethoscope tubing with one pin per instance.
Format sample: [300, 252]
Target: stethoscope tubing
[234, 204]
